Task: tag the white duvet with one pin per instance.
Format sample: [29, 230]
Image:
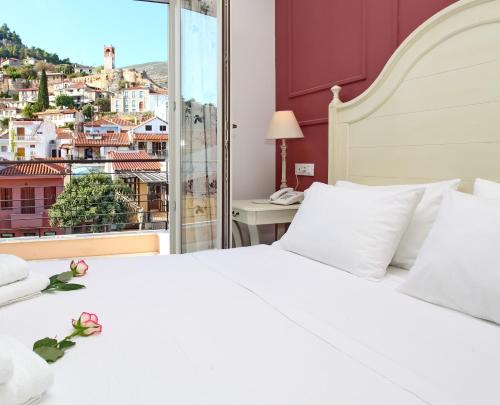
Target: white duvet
[256, 326]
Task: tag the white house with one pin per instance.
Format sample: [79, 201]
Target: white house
[28, 95]
[11, 62]
[30, 60]
[83, 69]
[151, 136]
[79, 92]
[8, 112]
[63, 117]
[137, 99]
[30, 139]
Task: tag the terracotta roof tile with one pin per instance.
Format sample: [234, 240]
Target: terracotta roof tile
[34, 169]
[151, 137]
[116, 139]
[133, 166]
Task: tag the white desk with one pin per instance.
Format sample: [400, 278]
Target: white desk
[252, 214]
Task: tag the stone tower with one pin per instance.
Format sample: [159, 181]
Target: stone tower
[109, 58]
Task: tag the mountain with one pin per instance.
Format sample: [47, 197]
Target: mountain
[11, 46]
[156, 71]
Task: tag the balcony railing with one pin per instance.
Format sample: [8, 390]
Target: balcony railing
[26, 138]
[64, 197]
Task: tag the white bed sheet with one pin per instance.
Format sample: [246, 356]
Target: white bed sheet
[256, 326]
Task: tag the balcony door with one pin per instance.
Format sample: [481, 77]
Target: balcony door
[197, 142]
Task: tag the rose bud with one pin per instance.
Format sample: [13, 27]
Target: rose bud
[79, 269]
[87, 324]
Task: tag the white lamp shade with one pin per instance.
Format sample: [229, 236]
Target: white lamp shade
[284, 125]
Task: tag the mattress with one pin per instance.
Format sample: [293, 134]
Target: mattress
[260, 326]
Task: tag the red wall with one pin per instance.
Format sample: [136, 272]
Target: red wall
[320, 43]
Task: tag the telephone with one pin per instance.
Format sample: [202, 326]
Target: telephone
[286, 196]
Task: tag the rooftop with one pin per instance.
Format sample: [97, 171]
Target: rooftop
[133, 166]
[115, 139]
[36, 168]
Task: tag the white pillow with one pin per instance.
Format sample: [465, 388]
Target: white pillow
[459, 264]
[356, 230]
[423, 218]
[487, 189]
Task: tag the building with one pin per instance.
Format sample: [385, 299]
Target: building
[62, 117]
[151, 136]
[65, 139]
[32, 139]
[79, 92]
[26, 193]
[98, 139]
[12, 62]
[109, 58]
[54, 77]
[30, 60]
[148, 181]
[138, 99]
[28, 95]
[8, 112]
[82, 69]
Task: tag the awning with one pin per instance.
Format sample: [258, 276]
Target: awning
[151, 177]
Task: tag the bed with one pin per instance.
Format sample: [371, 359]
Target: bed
[257, 325]
[261, 325]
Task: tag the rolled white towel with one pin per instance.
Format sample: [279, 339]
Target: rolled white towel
[12, 268]
[6, 366]
[30, 287]
[32, 376]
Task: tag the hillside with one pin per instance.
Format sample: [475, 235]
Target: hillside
[156, 71]
[11, 46]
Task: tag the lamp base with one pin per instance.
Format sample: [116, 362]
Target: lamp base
[283, 164]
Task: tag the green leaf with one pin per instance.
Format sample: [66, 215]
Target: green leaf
[49, 354]
[69, 287]
[65, 277]
[66, 344]
[53, 279]
[45, 342]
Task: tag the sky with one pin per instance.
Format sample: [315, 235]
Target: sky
[79, 30]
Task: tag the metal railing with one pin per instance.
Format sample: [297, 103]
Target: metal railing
[74, 197]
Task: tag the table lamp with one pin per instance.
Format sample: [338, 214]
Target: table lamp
[284, 126]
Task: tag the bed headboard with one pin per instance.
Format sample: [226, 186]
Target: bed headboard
[434, 111]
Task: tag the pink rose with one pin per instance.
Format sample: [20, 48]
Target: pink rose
[78, 268]
[87, 324]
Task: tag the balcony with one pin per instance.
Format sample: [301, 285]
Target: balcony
[63, 208]
[26, 138]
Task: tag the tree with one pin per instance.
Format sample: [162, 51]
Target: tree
[65, 101]
[92, 203]
[43, 92]
[87, 111]
[4, 122]
[27, 72]
[104, 104]
[30, 109]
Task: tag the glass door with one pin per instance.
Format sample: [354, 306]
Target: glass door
[196, 39]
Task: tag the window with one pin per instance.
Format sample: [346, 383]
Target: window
[50, 233]
[30, 234]
[163, 128]
[4, 148]
[27, 200]
[7, 235]
[149, 128]
[141, 145]
[49, 197]
[5, 198]
[20, 131]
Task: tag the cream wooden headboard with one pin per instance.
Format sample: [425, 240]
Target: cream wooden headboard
[434, 111]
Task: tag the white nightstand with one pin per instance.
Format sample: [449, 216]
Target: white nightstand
[254, 214]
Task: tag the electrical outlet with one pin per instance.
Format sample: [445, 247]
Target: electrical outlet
[304, 169]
